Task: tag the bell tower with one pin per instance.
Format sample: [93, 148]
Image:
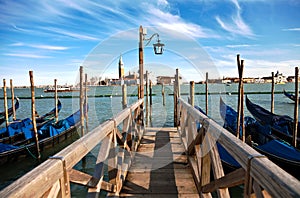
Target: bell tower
[121, 68]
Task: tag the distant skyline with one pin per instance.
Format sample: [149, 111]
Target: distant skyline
[53, 38]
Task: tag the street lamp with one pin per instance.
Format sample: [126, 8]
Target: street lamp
[158, 50]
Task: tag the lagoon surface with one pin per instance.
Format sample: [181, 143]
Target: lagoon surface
[103, 107]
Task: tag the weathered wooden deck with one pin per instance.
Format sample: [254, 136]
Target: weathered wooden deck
[160, 167]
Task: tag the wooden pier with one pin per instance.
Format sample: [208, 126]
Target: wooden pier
[166, 162]
[160, 167]
[136, 161]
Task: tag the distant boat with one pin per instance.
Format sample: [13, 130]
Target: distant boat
[262, 140]
[281, 125]
[61, 89]
[49, 135]
[290, 96]
[10, 111]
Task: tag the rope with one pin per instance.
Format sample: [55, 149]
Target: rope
[34, 157]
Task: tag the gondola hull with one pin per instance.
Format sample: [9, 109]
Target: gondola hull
[281, 125]
[284, 155]
[45, 144]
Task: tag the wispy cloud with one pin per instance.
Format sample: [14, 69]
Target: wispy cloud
[237, 24]
[71, 34]
[291, 29]
[46, 47]
[26, 55]
[176, 23]
[49, 47]
[240, 46]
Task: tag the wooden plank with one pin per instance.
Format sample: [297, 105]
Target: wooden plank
[217, 166]
[53, 192]
[82, 178]
[230, 180]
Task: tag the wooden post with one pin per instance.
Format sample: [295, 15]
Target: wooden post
[163, 93]
[178, 83]
[272, 93]
[175, 101]
[81, 101]
[192, 93]
[86, 104]
[5, 102]
[147, 97]
[124, 96]
[141, 62]
[295, 135]
[150, 110]
[240, 118]
[33, 115]
[206, 94]
[150, 94]
[176, 96]
[13, 99]
[56, 100]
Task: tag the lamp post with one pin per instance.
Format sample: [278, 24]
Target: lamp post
[158, 50]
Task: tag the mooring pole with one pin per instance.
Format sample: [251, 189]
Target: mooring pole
[5, 102]
[147, 97]
[86, 104]
[13, 99]
[240, 118]
[33, 115]
[206, 94]
[150, 110]
[295, 133]
[81, 101]
[163, 93]
[176, 96]
[141, 63]
[272, 93]
[150, 95]
[56, 100]
[124, 96]
[192, 93]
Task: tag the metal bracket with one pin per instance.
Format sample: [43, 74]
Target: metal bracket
[66, 183]
[248, 182]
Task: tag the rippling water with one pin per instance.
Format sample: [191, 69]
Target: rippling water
[102, 108]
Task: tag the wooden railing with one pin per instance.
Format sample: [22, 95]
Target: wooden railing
[258, 174]
[52, 178]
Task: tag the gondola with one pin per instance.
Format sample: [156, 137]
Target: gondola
[10, 111]
[228, 161]
[20, 129]
[281, 125]
[50, 135]
[261, 139]
[290, 96]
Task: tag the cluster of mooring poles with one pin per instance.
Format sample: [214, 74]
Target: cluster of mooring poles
[83, 101]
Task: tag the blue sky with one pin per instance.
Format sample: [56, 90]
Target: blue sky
[53, 38]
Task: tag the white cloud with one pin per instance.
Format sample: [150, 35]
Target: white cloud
[291, 29]
[72, 34]
[49, 47]
[237, 25]
[176, 23]
[26, 55]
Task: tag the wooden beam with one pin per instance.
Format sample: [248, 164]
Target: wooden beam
[232, 179]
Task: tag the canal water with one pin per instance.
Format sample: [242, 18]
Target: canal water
[104, 102]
